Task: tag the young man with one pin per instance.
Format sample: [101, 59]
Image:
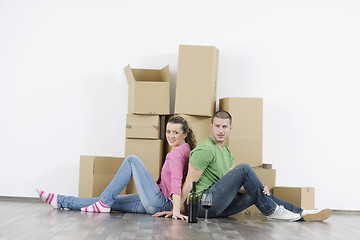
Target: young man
[234, 189]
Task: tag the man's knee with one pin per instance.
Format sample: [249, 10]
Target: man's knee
[243, 166]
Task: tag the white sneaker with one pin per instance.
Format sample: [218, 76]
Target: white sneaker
[315, 215]
[281, 213]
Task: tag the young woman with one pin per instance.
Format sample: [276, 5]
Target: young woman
[152, 197]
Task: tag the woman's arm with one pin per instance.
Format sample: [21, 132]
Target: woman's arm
[176, 208]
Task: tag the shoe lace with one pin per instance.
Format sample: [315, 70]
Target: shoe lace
[282, 210]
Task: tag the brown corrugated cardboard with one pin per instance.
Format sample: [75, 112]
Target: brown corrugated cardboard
[196, 80]
[145, 126]
[96, 173]
[151, 153]
[200, 125]
[246, 137]
[245, 149]
[149, 90]
[268, 178]
[303, 197]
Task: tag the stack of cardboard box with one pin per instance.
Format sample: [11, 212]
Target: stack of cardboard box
[245, 140]
[148, 104]
[195, 100]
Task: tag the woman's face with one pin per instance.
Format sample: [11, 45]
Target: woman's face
[175, 135]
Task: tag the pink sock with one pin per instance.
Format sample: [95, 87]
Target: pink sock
[50, 198]
[98, 207]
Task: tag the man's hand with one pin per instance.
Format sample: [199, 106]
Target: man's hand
[168, 214]
[266, 191]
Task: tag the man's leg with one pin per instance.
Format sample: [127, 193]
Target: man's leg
[227, 188]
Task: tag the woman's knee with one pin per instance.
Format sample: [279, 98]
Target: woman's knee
[132, 158]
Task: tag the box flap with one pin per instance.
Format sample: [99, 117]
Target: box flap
[129, 75]
[151, 75]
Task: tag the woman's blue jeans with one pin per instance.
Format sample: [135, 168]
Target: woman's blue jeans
[149, 198]
[228, 201]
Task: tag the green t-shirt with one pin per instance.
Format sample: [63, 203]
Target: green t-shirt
[215, 163]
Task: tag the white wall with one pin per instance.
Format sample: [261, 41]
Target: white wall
[63, 92]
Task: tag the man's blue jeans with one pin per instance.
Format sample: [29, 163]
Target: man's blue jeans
[149, 198]
[228, 201]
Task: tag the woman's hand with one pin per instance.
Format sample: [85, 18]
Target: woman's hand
[179, 216]
[266, 191]
[168, 214]
[165, 214]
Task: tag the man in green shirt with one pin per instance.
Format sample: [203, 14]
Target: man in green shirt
[234, 189]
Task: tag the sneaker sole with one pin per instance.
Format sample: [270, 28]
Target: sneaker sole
[289, 220]
[318, 217]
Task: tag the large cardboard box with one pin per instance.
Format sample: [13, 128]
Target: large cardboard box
[149, 90]
[268, 178]
[303, 197]
[151, 153]
[96, 173]
[196, 80]
[200, 125]
[246, 137]
[145, 126]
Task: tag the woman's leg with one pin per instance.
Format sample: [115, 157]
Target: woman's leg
[149, 193]
[74, 203]
[128, 203]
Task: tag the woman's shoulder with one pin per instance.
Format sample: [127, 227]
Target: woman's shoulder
[182, 149]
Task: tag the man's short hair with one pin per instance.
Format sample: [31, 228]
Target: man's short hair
[223, 115]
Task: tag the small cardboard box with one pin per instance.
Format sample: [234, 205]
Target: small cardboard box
[268, 178]
[200, 125]
[151, 153]
[246, 137]
[149, 90]
[96, 173]
[196, 80]
[145, 126]
[303, 197]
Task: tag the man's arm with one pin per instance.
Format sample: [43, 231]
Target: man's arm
[193, 175]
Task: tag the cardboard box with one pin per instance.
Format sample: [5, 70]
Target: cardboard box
[246, 137]
[268, 178]
[145, 126]
[303, 197]
[196, 80]
[200, 126]
[149, 90]
[245, 149]
[96, 173]
[151, 153]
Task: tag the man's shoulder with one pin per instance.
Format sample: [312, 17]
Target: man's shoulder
[207, 144]
[205, 149]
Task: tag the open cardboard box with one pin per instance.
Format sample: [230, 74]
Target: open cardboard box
[149, 90]
[96, 173]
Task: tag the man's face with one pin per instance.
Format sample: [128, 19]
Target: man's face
[220, 129]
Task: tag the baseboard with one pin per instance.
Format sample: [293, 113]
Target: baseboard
[20, 199]
[344, 212]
